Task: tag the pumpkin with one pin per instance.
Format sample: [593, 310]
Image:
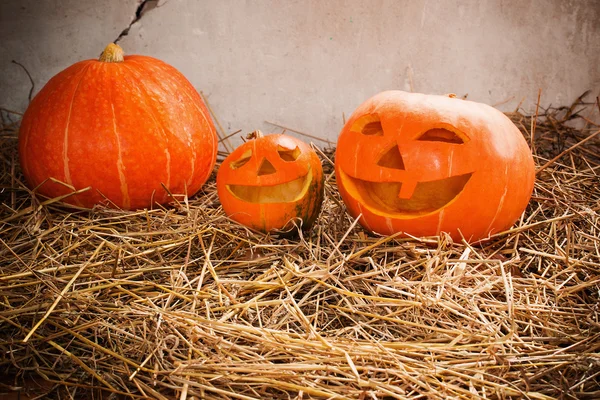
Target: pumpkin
[272, 182]
[123, 126]
[425, 164]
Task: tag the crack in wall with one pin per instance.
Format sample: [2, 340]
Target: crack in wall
[143, 7]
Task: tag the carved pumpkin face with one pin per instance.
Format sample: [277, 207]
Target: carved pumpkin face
[421, 164]
[269, 181]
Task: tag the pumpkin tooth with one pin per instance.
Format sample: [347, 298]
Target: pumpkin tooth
[407, 189]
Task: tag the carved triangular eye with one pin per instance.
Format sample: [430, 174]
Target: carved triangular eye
[266, 168]
[369, 125]
[441, 135]
[287, 154]
[240, 162]
[372, 128]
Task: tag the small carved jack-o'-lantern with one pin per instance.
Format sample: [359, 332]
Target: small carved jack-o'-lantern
[423, 164]
[271, 182]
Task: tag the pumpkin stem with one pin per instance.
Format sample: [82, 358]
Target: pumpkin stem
[113, 53]
[254, 135]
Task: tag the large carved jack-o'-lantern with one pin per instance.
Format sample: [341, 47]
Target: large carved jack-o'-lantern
[424, 164]
[271, 183]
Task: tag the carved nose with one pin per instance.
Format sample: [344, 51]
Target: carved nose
[266, 168]
[392, 159]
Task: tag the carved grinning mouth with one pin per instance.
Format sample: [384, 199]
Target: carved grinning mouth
[427, 197]
[288, 192]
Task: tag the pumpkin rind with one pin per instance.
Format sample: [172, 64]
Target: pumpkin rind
[457, 166]
[277, 200]
[122, 128]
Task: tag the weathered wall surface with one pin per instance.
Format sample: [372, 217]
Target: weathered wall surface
[305, 63]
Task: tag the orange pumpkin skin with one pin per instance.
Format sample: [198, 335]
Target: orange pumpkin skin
[270, 182]
[122, 126]
[425, 164]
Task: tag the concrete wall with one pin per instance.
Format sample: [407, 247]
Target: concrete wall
[305, 63]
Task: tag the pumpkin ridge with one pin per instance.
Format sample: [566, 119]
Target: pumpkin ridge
[440, 221]
[501, 202]
[204, 112]
[36, 103]
[317, 191]
[212, 137]
[211, 126]
[214, 146]
[213, 129]
[120, 165]
[164, 69]
[140, 85]
[66, 168]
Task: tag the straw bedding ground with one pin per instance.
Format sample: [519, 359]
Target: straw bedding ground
[180, 302]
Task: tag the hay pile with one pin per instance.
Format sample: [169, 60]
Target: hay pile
[182, 303]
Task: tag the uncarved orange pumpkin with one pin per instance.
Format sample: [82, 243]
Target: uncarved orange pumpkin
[272, 182]
[122, 125]
[425, 164]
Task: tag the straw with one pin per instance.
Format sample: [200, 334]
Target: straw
[181, 302]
